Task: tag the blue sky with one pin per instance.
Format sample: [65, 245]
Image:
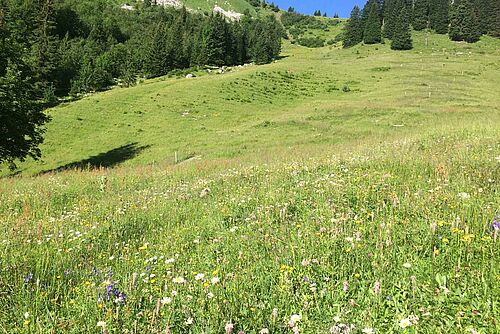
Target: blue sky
[342, 7]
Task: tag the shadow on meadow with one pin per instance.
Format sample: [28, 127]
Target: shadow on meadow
[104, 160]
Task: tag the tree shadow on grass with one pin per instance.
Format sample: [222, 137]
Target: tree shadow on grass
[104, 160]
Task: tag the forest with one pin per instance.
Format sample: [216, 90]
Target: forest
[56, 48]
[462, 20]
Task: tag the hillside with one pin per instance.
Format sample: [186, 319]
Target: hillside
[330, 191]
[299, 100]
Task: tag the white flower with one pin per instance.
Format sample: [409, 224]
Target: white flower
[174, 293]
[404, 323]
[336, 318]
[463, 195]
[179, 280]
[294, 319]
[264, 331]
[26, 315]
[199, 276]
[407, 265]
[111, 258]
[210, 295]
[367, 330]
[189, 321]
[215, 280]
[171, 260]
[166, 300]
[101, 324]
[498, 158]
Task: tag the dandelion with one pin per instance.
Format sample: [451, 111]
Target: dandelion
[179, 280]
[404, 323]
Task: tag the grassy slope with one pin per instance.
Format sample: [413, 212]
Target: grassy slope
[298, 101]
[406, 207]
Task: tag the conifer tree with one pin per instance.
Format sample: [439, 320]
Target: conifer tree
[463, 23]
[372, 33]
[353, 29]
[420, 20]
[439, 10]
[402, 35]
[391, 13]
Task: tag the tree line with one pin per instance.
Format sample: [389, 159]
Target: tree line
[52, 48]
[462, 20]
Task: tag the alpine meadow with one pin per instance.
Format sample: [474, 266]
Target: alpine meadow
[174, 167]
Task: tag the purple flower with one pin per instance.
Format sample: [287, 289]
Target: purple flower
[28, 278]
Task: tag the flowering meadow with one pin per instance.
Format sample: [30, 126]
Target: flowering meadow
[398, 239]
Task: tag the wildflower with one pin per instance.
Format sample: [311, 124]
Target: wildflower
[101, 324]
[166, 300]
[264, 331]
[26, 315]
[376, 287]
[407, 265]
[305, 263]
[463, 195]
[368, 330]
[215, 280]
[495, 225]
[445, 241]
[210, 295]
[337, 318]
[229, 327]
[294, 319]
[295, 330]
[179, 280]
[28, 278]
[111, 258]
[274, 313]
[189, 321]
[199, 276]
[168, 261]
[404, 323]
[346, 286]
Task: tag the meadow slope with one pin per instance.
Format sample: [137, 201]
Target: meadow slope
[332, 189]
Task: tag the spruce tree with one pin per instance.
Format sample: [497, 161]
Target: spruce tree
[439, 11]
[391, 13]
[420, 20]
[353, 29]
[372, 33]
[463, 23]
[402, 35]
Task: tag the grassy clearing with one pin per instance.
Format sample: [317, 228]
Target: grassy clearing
[363, 206]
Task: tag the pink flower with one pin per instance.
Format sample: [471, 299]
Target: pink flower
[229, 327]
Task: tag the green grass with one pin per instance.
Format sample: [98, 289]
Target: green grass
[302, 197]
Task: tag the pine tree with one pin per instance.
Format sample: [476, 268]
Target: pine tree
[463, 23]
[439, 10]
[373, 33]
[402, 35]
[420, 14]
[391, 13]
[353, 29]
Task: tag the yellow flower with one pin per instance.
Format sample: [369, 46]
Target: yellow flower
[445, 241]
